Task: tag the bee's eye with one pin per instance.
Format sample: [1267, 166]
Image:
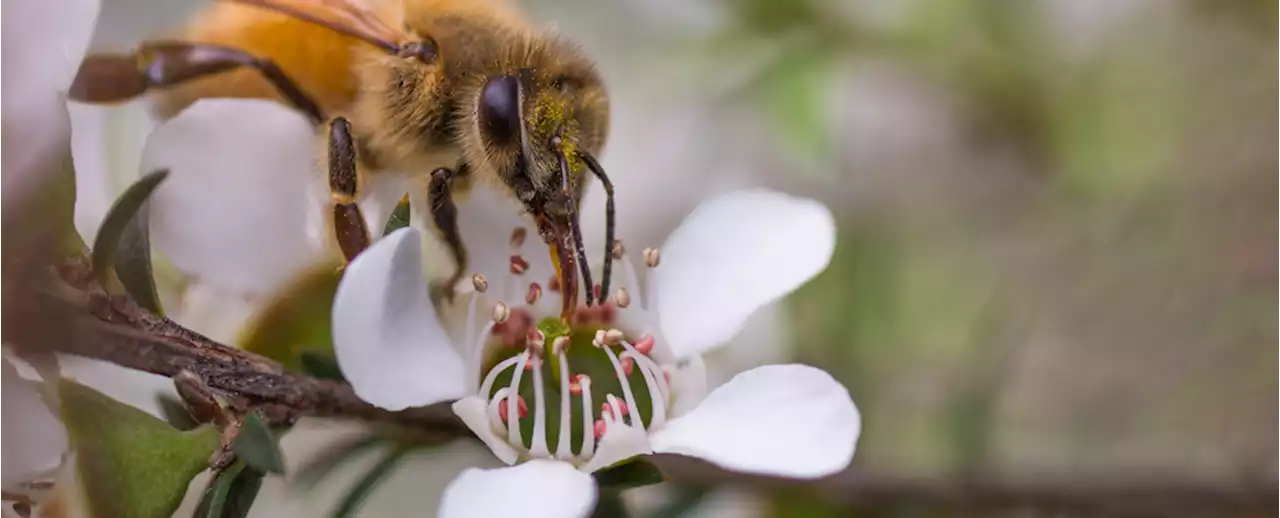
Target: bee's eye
[499, 108]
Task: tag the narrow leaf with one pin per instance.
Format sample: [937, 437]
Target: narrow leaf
[123, 242]
[324, 462]
[130, 462]
[370, 481]
[244, 491]
[399, 217]
[215, 495]
[257, 445]
[636, 473]
[231, 493]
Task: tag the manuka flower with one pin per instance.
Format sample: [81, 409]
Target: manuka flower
[562, 399]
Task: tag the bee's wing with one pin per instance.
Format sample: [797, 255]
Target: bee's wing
[351, 17]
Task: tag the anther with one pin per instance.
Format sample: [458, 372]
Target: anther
[622, 298]
[553, 284]
[522, 409]
[644, 345]
[517, 237]
[598, 339]
[501, 313]
[534, 294]
[599, 428]
[518, 264]
[652, 257]
[560, 345]
[618, 249]
[612, 336]
[480, 282]
[628, 366]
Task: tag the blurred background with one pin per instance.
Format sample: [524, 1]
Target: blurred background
[1057, 256]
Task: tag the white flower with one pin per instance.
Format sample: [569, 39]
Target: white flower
[35, 441]
[43, 44]
[623, 381]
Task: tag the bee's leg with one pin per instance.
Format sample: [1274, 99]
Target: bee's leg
[348, 222]
[104, 78]
[444, 215]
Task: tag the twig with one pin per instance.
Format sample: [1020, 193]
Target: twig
[86, 321]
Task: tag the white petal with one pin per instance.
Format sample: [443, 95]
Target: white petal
[387, 339]
[782, 420]
[106, 144]
[44, 42]
[620, 442]
[688, 385]
[35, 439]
[733, 254]
[219, 314]
[535, 489]
[471, 410]
[236, 206]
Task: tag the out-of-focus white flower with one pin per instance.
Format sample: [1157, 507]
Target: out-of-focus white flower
[43, 44]
[35, 440]
[637, 362]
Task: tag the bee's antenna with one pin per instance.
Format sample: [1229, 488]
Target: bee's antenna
[608, 217]
[572, 210]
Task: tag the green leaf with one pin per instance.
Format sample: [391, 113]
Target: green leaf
[323, 463]
[634, 473]
[320, 365]
[123, 243]
[231, 493]
[370, 481]
[399, 217]
[176, 413]
[257, 445]
[131, 464]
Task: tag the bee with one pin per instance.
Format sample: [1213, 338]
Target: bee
[463, 91]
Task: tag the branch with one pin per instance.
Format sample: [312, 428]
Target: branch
[87, 321]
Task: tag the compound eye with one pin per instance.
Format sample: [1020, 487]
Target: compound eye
[499, 108]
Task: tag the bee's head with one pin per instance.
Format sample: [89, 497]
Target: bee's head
[540, 124]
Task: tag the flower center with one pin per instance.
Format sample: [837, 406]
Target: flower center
[555, 388]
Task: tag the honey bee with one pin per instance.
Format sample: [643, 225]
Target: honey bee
[466, 90]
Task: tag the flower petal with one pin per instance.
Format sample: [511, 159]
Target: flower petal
[733, 254]
[688, 385]
[783, 420]
[471, 410]
[620, 442]
[387, 339]
[36, 440]
[106, 144]
[44, 42]
[535, 489]
[240, 195]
